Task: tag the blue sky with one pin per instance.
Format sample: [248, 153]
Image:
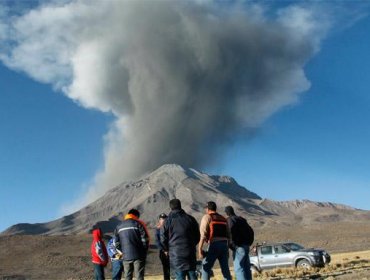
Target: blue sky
[48, 147]
[317, 149]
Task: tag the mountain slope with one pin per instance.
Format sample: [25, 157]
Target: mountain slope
[151, 193]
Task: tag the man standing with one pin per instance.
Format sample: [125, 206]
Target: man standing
[242, 237]
[179, 238]
[215, 231]
[163, 256]
[133, 237]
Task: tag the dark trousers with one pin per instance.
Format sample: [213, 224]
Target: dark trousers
[98, 272]
[216, 250]
[165, 260]
[181, 274]
[134, 265]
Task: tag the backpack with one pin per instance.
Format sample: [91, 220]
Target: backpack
[242, 232]
[249, 232]
[218, 226]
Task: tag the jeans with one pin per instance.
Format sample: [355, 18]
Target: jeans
[216, 250]
[165, 260]
[181, 274]
[242, 264]
[130, 266]
[98, 272]
[117, 269]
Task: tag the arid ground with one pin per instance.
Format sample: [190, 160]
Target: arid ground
[68, 257]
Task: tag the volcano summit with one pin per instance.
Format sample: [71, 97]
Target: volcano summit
[151, 193]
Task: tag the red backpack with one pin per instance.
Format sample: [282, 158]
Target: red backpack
[218, 227]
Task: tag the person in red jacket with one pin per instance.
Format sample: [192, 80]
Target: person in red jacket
[99, 254]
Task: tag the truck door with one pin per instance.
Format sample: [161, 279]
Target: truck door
[266, 258]
[282, 256]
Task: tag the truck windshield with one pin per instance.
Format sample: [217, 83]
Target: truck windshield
[294, 246]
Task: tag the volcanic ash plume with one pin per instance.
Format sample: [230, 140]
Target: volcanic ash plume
[182, 78]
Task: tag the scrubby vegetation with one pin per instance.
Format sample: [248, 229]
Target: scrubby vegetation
[69, 258]
[345, 264]
[342, 264]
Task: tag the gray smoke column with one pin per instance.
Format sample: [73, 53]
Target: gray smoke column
[183, 78]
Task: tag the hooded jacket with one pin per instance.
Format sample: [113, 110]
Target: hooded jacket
[133, 237]
[98, 250]
[180, 236]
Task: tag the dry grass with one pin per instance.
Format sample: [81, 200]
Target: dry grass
[69, 257]
[342, 264]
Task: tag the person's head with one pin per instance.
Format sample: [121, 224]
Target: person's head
[211, 207]
[229, 210]
[161, 219]
[175, 204]
[134, 212]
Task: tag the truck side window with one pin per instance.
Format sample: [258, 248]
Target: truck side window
[267, 250]
[280, 250]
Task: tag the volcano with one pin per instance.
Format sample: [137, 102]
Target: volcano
[151, 193]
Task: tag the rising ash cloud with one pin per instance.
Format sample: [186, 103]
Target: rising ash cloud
[182, 78]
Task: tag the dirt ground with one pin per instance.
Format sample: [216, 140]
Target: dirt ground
[68, 257]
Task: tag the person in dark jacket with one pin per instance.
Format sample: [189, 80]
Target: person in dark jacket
[241, 239]
[163, 256]
[99, 254]
[133, 237]
[179, 238]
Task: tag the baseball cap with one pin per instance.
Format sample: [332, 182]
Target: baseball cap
[162, 216]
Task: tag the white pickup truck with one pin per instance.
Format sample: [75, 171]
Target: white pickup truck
[274, 255]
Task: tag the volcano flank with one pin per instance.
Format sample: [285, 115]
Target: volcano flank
[151, 193]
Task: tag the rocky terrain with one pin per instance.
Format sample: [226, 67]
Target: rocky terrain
[60, 249]
[151, 193]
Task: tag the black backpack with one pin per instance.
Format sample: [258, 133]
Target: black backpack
[242, 232]
[250, 233]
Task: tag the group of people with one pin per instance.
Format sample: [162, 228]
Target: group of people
[177, 236]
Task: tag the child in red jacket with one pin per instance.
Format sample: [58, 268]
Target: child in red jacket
[99, 254]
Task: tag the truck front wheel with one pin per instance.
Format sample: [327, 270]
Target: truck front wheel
[304, 264]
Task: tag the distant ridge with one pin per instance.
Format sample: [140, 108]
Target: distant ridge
[151, 193]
